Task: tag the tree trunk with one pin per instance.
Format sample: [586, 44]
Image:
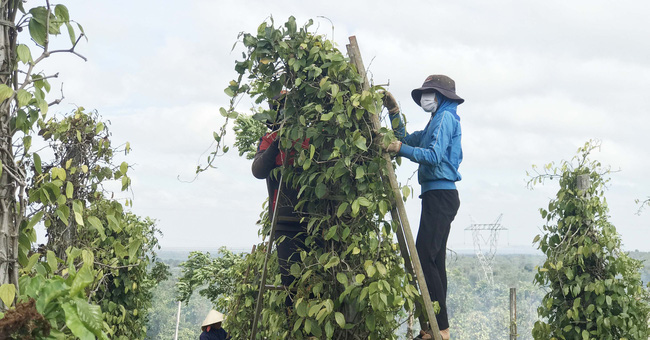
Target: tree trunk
[10, 180]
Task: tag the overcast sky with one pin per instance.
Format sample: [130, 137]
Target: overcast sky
[540, 78]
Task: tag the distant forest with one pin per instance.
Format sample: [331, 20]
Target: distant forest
[477, 309]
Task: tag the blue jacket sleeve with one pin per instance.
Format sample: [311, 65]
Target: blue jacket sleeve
[400, 130]
[441, 132]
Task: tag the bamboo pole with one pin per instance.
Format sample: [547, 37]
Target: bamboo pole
[178, 320]
[513, 313]
[407, 244]
[260, 294]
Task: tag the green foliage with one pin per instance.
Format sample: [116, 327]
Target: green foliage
[220, 274]
[162, 316]
[91, 280]
[248, 132]
[355, 285]
[642, 204]
[125, 284]
[595, 290]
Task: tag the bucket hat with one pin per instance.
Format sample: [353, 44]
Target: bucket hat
[212, 318]
[440, 83]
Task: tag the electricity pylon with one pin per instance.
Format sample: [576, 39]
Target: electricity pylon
[485, 238]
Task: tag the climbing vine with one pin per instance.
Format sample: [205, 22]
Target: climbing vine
[355, 285]
[594, 288]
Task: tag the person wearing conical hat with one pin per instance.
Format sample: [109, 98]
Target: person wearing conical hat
[438, 152]
[211, 327]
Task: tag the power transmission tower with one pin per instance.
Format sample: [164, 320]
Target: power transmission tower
[485, 238]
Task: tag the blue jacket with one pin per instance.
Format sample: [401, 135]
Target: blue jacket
[436, 148]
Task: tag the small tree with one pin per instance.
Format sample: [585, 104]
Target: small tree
[91, 276]
[595, 291]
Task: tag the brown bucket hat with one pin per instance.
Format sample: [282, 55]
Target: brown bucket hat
[439, 83]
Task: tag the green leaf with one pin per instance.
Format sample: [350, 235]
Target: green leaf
[51, 261]
[71, 33]
[23, 97]
[35, 219]
[23, 55]
[321, 190]
[58, 173]
[364, 202]
[360, 172]
[331, 232]
[340, 319]
[78, 209]
[82, 30]
[360, 143]
[134, 247]
[341, 209]
[371, 270]
[90, 315]
[37, 32]
[32, 261]
[100, 127]
[69, 190]
[334, 260]
[406, 191]
[83, 278]
[88, 257]
[381, 268]
[61, 214]
[326, 116]
[62, 12]
[113, 224]
[75, 324]
[7, 294]
[97, 224]
[342, 278]
[5, 92]
[124, 167]
[355, 207]
[370, 322]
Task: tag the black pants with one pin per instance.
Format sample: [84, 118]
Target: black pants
[289, 249]
[439, 208]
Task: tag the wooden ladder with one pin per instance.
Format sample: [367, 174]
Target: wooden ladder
[398, 212]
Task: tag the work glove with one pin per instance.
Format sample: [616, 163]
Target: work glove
[394, 147]
[390, 103]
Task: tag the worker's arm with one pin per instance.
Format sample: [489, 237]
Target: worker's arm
[264, 161]
[400, 130]
[441, 137]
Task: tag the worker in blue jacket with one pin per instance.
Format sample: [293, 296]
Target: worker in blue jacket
[437, 150]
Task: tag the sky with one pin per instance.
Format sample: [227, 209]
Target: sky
[539, 79]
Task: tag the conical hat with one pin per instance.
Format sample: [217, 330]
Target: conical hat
[212, 318]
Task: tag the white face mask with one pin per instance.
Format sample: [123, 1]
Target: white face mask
[429, 102]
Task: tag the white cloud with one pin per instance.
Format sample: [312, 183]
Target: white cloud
[539, 80]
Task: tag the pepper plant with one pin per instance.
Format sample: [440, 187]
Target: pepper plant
[594, 288]
[91, 280]
[351, 283]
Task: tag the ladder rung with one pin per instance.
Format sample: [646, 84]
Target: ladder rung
[272, 287]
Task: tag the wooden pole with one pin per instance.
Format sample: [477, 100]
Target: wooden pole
[583, 183]
[407, 244]
[178, 320]
[513, 313]
[260, 294]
